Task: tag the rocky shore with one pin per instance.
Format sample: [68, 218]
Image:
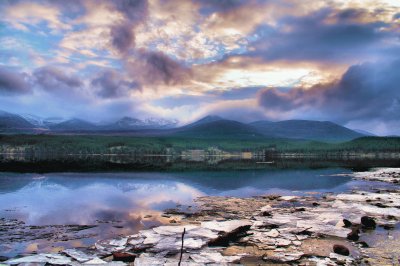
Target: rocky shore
[353, 228]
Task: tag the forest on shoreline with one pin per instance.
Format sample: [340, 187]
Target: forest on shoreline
[45, 153]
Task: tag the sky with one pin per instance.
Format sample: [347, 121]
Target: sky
[248, 60]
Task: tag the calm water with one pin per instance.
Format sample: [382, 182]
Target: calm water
[123, 203]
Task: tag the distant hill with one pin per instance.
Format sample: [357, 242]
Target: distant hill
[34, 120]
[306, 129]
[73, 125]
[205, 120]
[14, 123]
[365, 133]
[216, 127]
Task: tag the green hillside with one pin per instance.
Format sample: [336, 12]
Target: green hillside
[219, 129]
[306, 129]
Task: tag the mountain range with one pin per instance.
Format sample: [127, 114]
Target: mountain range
[26, 122]
[207, 127]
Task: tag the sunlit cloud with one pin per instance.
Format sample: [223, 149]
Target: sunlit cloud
[22, 15]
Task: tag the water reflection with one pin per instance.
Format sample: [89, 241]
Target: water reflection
[123, 203]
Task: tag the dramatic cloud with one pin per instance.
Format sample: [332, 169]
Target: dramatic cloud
[221, 5]
[123, 37]
[111, 84]
[12, 82]
[53, 79]
[155, 68]
[366, 91]
[135, 11]
[24, 14]
[106, 26]
[323, 35]
[242, 59]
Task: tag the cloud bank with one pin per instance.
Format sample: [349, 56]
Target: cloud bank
[248, 60]
[368, 91]
[13, 82]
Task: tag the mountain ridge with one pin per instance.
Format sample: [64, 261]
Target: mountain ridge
[306, 129]
[9, 121]
[217, 128]
[210, 126]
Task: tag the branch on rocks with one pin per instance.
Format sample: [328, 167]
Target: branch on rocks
[183, 235]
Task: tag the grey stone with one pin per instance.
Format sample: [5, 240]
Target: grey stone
[225, 226]
[78, 255]
[213, 257]
[56, 259]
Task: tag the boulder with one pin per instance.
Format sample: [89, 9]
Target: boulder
[341, 250]
[347, 223]
[266, 214]
[354, 234]
[368, 222]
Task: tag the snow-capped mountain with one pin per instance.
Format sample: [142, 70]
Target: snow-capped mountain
[129, 123]
[54, 120]
[34, 120]
[210, 126]
[28, 121]
[161, 122]
[41, 122]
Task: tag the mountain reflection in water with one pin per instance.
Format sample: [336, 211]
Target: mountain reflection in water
[123, 203]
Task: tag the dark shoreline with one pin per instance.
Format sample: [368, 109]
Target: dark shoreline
[161, 164]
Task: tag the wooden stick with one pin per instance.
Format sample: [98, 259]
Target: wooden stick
[183, 235]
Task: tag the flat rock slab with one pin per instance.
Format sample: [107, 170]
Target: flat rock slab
[286, 256]
[55, 259]
[324, 229]
[78, 255]
[213, 257]
[173, 230]
[226, 226]
[202, 232]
